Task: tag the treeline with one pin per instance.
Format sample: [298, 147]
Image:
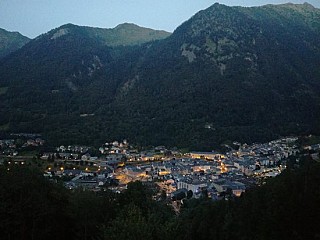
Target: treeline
[286, 207]
[32, 207]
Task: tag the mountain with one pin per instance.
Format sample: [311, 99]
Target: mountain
[63, 74]
[127, 34]
[232, 73]
[228, 73]
[122, 35]
[10, 42]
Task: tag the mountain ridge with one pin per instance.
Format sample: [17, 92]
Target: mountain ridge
[125, 34]
[10, 42]
[228, 73]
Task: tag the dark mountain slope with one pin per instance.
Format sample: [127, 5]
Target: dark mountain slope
[229, 73]
[60, 75]
[10, 42]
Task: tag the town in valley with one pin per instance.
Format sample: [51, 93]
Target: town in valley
[172, 173]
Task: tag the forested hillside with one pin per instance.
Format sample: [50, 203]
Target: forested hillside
[228, 73]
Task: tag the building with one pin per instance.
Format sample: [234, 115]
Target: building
[193, 185]
[206, 155]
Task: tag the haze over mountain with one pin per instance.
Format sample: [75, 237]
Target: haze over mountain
[10, 42]
[228, 73]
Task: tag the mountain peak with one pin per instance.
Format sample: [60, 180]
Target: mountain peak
[68, 25]
[127, 26]
[122, 35]
[11, 41]
[127, 34]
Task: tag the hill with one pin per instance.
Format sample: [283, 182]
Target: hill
[10, 42]
[127, 34]
[228, 73]
[122, 35]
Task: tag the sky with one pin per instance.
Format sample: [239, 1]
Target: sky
[34, 17]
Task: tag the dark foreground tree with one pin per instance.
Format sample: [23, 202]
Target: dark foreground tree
[31, 207]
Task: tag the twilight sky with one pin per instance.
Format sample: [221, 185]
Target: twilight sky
[34, 17]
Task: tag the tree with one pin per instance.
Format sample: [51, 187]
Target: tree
[31, 207]
[138, 195]
[189, 194]
[87, 210]
[129, 224]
